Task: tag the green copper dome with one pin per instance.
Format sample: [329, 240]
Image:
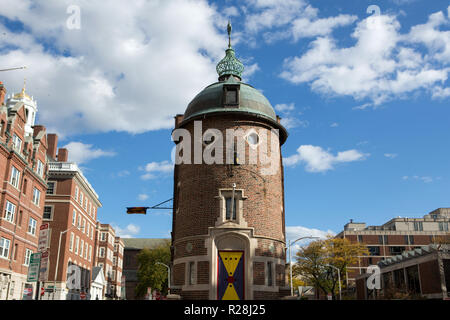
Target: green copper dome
[249, 102]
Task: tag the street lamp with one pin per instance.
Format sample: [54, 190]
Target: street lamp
[339, 278]
[168, 272]
[290, 261]
[57, 257]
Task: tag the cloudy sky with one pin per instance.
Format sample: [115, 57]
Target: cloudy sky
[362, 87]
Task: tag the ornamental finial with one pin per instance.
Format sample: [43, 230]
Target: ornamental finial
[229, 65]
[229, 34]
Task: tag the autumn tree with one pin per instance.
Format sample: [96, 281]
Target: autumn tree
[150, 274]
[313, 262]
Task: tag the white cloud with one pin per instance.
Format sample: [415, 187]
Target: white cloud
[425, 179]
[334, 125]
[129, 231]
[284, 107]
[120, 70]
[142, 196]
[82, 153]
[282, 19]
[382, 65]
[153, 169]
[318, 160]
[295, 232]
[288, 120]
[391, 155]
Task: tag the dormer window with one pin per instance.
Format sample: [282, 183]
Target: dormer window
[231, 95]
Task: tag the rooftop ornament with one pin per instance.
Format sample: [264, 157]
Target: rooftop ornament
[230, 65]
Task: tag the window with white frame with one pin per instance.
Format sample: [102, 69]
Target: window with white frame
[32, 226]
[15, 177]
[90, 253]
[114, 261]
[4, 247]
[40, 168]
[76, 193]
[103, 236]
[85, 203]
[84, 226]
[71, 241]
[36, 196]
[17, 143]
[90, 209]
[92, 233]
[102, 252]
[81, 198]
[86, 247]
[27, 257]
[74, 217]
[50, 187]
[81, 248]
[79, 221]
[48, 210]
[77, 243]
[10, 211]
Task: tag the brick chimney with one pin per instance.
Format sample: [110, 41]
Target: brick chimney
[2, 93]
[37, 129]
[178, 119]
[52, 141]
[63, 155]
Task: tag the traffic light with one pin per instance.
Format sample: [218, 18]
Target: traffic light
[137, 210]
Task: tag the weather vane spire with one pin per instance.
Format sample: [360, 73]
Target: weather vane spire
[229, 34]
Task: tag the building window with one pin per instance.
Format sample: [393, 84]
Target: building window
[103, 236]
[79, 222]
[32, 226]
[74, 217]
[231, 95]
[269, 274]
[15, 177]
[24, 189]
[374, 251]
[48, 213]
[81, 198]
[77, 242]
[90, 253]
[40, 169]
[71, 242]
[386, 238]
[76, 194]
[191, 273]
[86, 250]
[4, 248]
[443, 226]
[396, 250]
[19, 218]
[10, 211]
[36, 196]
[102, 252]
[411, 239]
[360, 238]
[27, 258]
[17, 143]
[85, 203]
[230, 210]
[81, 248]
[50, 187]
[418, 226]
[84, 226]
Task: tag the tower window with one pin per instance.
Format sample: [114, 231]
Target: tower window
[231, 95]
[269, 274]
[230, 210]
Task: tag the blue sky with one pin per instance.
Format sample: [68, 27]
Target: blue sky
[365, 97]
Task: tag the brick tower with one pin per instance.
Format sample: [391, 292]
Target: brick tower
[228, 232]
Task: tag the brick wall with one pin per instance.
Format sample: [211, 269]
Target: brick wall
[258, 273]
[430, 280]
[203, 272]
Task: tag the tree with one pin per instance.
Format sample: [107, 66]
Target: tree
[313, 262]
[150, 274]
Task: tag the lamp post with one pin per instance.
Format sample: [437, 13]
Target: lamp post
[339, 278]
[168, 276]
[57, 257]
[290, 261]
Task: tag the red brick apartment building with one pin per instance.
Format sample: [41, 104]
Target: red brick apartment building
[71, 206]
[118, 290]
[23, 148]
[104, 255]
[394, 237]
